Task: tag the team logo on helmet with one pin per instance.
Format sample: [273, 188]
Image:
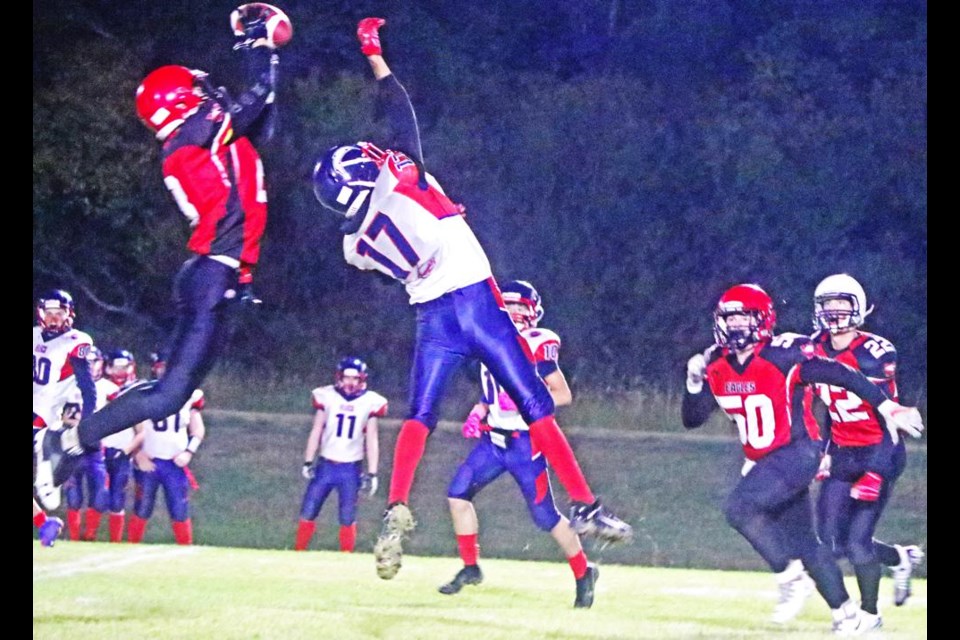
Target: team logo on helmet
[343, 180]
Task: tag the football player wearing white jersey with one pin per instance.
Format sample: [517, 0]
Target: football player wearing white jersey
[505, 447]
[120, 368]
[48, 527]
[398, 221]
[345, 430]
[59, 367]
[161, 461]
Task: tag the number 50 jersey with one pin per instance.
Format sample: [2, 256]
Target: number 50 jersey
[344, 431]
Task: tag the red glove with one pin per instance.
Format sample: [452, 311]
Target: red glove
[824, 471]
[867, 488]
[369, 36]
[471, 428]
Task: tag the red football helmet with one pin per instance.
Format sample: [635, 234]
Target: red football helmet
[748, 300]
[167, 96]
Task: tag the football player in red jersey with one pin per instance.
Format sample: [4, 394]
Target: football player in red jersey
[861, 462]
[215, 175]
[759, 379]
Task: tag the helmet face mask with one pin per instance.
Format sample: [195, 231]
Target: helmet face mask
[523, 303]
[839, 304]
[744, 316]
[167, 96]
[120, 367]
[343, 181]
[351, 377]
[55, 312]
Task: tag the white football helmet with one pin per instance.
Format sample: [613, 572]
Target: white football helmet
[839, 286]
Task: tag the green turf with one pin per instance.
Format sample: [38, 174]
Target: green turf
[106, 591]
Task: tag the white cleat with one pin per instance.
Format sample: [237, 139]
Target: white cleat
[910, 556]
[793, 596]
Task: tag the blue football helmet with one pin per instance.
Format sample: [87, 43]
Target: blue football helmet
[343, 179]
[523, 303]
[56, 300]
[120, 366]
[351, 366]
[158, 364]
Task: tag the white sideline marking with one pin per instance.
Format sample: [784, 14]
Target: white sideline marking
[771, 594]
[108, 562]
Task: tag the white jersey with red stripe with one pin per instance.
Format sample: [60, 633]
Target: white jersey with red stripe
[419, 237]
[167, 438]
[345, 429]
[544, 345]
[53, 379]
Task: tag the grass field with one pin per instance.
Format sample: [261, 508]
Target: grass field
[104, 591]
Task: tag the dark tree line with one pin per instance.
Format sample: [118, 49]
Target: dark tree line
[631, 159]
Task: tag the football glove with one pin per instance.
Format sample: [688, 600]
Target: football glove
[471, 428]
[258, 24]
[307, 470]
[369, 484]
[748, 464]
[900, 418]
[696, 371]
[368, 33]
[867, 488]
[824, 471]
[506, 402]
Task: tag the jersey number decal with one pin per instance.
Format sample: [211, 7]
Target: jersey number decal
[754, 417]
[340, 420]
[490, 388]
[842, 403]
[386, 225]
[163, 425]
[41, 370]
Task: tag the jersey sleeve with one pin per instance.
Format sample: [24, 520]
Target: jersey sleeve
[197, 400]
[380, 406]
[316, 398]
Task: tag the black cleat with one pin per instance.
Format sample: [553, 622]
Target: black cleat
[62, 450]
[471, 574]
[585, 587]
[594, 520]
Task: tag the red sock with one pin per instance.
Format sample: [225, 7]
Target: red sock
[348, 537]
[116, 526]
[469, 549]
[138, 526]
[579, 564]
[183, 531]
[73, 523]
[546, 436]
[304, 532]
[92, 524]
[39, 519]
[406, 456]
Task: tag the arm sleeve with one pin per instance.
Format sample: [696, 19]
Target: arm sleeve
[696, 408]
[394, 103]
[88, 388]
[819, 369]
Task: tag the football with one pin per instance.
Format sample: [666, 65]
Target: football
[279, 29]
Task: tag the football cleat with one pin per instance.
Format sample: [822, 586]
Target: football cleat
[586, 587]
[910, 556]
[470, 574]
[50, 531]
[594, 520]
[793, 595]
[388, 550]
[58, 454]
[847, 620]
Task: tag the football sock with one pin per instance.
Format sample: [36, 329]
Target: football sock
[182, 531]
[469, 549]
[39, 519]
[92, 518]
[546, 436]
[138, 526]
[73, 523]
[579, 564]
[348, 537]
[304, 532]
[868, 579]
[406, 456]
[116, 522]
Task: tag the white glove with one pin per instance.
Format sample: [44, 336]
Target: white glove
[696, 371]
[901, 418]
[748, 464]
[307, 470]
[369, 484]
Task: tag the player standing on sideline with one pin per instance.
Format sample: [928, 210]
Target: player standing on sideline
[59, 368]
[505, 446]
[861, 463]
[167, 448]
[121, 368]
[48, 527]
[215, 174]
[759, 381]
[345, 427]
[398, 221]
